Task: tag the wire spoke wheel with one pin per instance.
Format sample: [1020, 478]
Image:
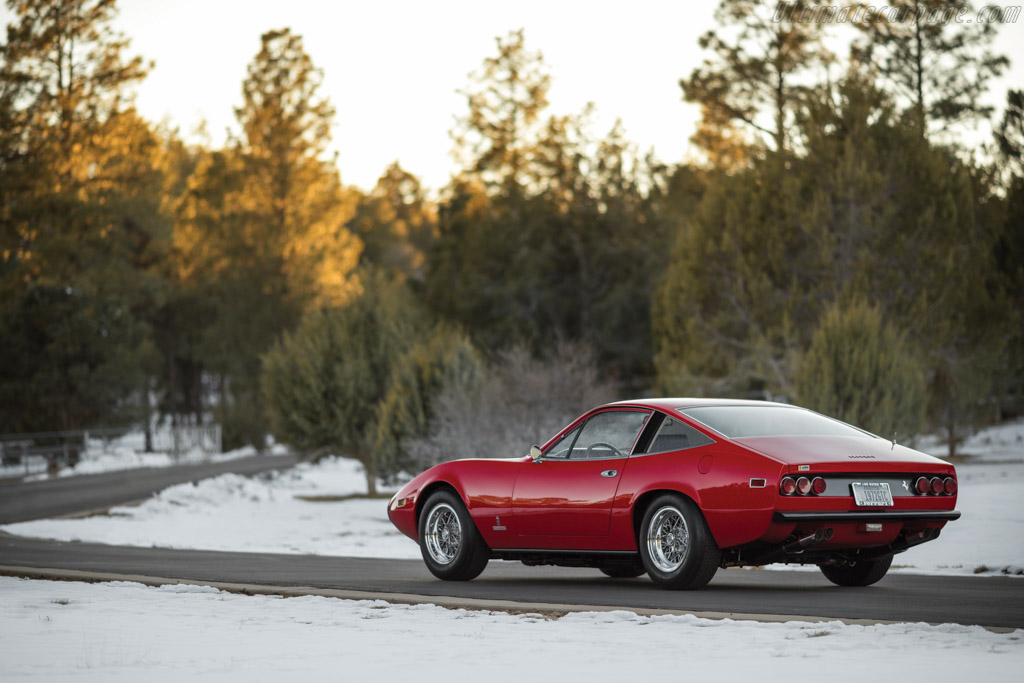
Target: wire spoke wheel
[676, 546]
[443, 536]
[668, 539]
[450, 542]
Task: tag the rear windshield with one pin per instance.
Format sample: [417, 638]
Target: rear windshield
[738, 422]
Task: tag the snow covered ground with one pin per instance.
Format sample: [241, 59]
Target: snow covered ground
[266, 513]
[286, 512]
[57, 631]
[1003, 442]
[109, 457]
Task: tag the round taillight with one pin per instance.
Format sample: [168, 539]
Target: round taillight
[787, 486]
[803, 486]
[818, 486]
[937, 486]
[922, 485]
[949, 485]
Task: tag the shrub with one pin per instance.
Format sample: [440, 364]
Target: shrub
[861, 371]
[518, 400]
[325, 384]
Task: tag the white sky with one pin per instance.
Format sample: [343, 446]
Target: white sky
[392, 68]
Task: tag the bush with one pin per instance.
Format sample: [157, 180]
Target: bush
[325, 384]
[516, 402]
[444, 359]
[862, 372]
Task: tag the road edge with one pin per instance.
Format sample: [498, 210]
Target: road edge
[550, 610]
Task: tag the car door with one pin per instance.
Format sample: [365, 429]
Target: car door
[570, 489]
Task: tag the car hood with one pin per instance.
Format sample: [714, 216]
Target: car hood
[800, 450]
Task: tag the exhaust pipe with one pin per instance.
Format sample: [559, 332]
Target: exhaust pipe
[904, 542]
[817, 537]
[793, 548]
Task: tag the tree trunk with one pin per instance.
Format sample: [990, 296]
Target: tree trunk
[371, 475]
[919, 73]
[147, 413]
[951, 433]
[370, 467]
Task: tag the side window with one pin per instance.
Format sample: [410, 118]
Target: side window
[562, 446]
[609, 435]
[674, 435]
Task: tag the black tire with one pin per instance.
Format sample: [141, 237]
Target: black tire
[623, 571]
[863, 573]
[672, 562]
[461, 544]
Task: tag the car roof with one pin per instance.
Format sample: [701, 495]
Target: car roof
[681, 403]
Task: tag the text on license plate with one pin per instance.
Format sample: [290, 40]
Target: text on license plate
[871, 494]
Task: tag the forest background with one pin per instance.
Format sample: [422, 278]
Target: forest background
[833, 241]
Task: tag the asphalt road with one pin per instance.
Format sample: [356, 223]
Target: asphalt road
[68, 495]
[985, 601]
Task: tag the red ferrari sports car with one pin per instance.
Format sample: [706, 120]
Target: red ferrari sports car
[676, 488]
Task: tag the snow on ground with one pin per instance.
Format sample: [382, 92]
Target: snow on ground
[59, 631]
[271, 513]
[988, 534]
[265, 513]
[122, 458]
[1003, 442]
[106, 457]
[985, 540]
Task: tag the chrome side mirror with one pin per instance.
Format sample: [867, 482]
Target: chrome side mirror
[535, 452]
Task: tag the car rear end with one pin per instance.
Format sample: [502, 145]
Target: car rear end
[859, 506]
[842, 494]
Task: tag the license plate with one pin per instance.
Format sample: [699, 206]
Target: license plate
[871, 494]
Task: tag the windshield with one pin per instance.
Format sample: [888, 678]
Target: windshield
[738, 422]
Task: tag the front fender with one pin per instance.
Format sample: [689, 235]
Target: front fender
[485, 487]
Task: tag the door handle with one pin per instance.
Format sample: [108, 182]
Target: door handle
[609, 473]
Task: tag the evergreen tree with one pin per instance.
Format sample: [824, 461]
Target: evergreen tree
[296, 208]
[1009, 251]
[938, 65]
[80, 204]
[73, 143]
[1009, 134]
[770, 248]
[261, 229]
[760, 56]
[550, 233]
[444, 360]
[326, 385]
[859, 370]
[495, 139]
[396, 224]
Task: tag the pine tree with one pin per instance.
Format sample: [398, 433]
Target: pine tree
[939, 66]
[296, 207]
[396, 223]
[769, 249]
[495, 140]
[80, 205]
[859, 370]
[1009, 134]
[326, 384]
[754, 74]
[442, 360]
[73, 141]
[1009, 250]
[261, 229]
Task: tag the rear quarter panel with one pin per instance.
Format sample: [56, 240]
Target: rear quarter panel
[716, 477]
